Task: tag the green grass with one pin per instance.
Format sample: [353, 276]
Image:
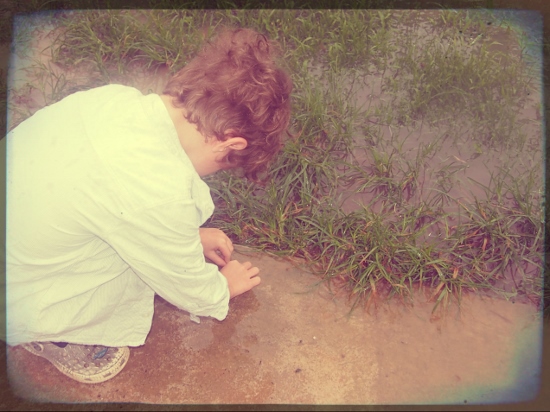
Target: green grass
[392, 108]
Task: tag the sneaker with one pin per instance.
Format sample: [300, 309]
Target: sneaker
[83, 363]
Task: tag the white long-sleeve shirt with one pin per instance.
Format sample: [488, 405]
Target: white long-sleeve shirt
[103, 210]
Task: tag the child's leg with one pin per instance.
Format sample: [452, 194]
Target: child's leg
[95, 363]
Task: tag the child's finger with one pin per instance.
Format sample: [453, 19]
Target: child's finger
[215, 258]
[253, 272]
[225, 252]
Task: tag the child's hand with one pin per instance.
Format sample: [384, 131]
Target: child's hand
[241, 277]
[216, 245]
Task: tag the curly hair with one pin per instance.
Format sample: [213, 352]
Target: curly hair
[234, 84]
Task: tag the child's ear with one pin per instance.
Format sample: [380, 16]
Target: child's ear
[236, 143]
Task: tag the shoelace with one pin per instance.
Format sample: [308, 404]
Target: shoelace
[100, 354]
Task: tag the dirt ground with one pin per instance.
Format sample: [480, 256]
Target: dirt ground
[291, 342]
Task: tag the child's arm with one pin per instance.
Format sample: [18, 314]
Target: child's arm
[241, 277]
[162, 245]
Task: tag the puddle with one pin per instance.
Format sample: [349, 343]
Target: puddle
[445, 166]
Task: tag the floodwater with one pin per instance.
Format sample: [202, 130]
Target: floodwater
[287, 343]
[455, 155]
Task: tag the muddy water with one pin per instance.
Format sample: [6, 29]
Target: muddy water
[465, 166]
[456, 163]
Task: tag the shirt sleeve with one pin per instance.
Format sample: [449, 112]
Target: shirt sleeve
[162, 245]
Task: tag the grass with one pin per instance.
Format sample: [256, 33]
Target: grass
[405, 171]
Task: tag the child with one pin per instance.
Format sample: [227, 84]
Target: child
[105, 203]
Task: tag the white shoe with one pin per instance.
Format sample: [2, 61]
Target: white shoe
[83, 363]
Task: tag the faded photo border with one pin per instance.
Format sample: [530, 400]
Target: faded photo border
[9, 401]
